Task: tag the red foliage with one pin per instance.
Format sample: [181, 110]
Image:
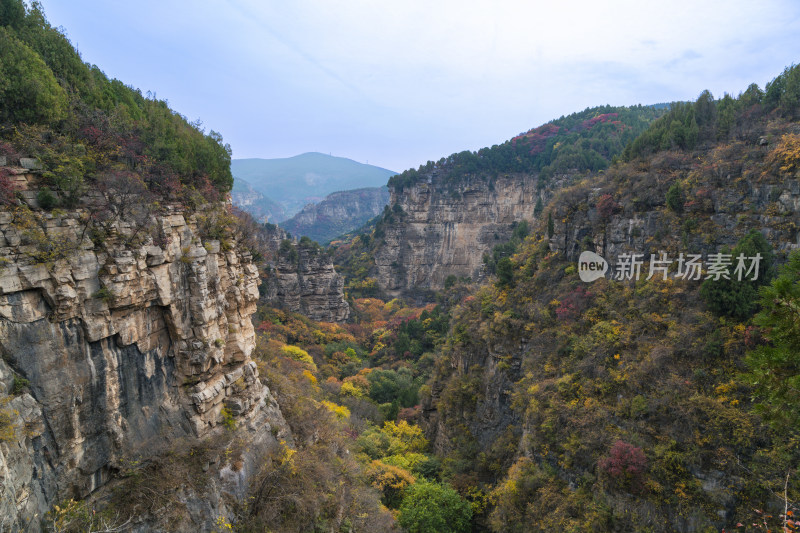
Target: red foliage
[7, 188]
[410, 414]
[606, 117]
[573, 304]
[625, 464]
[8, 151]
[606, 207]
[537, 137]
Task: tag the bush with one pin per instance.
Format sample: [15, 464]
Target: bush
[675, 198]
[434, 508]
[625, 465]
[46, 199]
[298, 354]
[739, 298]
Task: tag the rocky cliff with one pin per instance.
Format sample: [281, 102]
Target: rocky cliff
[304, 280]
[338, 213]
[441, 230]
[115, 347]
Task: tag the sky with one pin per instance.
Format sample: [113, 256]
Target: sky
[396, 84]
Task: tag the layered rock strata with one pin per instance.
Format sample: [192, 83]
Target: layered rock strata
[111, 349]
[445, 230]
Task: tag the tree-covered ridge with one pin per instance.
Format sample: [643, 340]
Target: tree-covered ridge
[652, 404]
[584, 141]
[705, 121]
[83, 126]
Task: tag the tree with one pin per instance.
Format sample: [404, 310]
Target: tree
[434, 508]
[705, 112]
[774, 369]
[12, 13]
[505, 272]
[28, 90]
[738, 298]
[675, 198]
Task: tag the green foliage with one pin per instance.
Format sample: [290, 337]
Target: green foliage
[387, 386]
[583, 141]
[28, 90]
[505, 272]
[675, 198]
[288, 251]
[519, 231]
[20, 384]
[12, 13]
[774, 369]
[735, 298]
[46, 199]
[434, 508]
[90, 124]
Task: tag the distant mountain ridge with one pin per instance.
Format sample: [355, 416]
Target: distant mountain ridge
[339, 213]
[261, 207]
[307, 178]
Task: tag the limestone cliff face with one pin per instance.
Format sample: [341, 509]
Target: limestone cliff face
[304, 281]
[123, 347]
[445, 230]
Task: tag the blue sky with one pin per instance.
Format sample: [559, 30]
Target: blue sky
[398, 83]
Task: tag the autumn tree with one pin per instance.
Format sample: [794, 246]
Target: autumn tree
[434, 508]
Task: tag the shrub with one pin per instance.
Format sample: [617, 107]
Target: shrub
[19, 385]
[300, 355]
[46, 199]
[105, 294]
[675, 198]
[625, 465]
[228, 420]
[434, 508]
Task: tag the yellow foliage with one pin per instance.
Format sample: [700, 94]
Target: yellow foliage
[786, 156]
[310, 377]
[340, 411]
[405, 437]
[348, 389]
[300, 355]
[287, 457]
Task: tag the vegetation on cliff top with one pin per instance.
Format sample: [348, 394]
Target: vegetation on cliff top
[84, 127]
[584, 141]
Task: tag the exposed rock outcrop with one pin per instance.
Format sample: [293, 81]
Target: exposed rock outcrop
[123, 348]
[442, 230]
[304, 281]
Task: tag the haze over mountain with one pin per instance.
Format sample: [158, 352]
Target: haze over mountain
[307, 178]
[339, 213]
[263, 208]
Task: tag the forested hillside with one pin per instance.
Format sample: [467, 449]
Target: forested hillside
[86, 129]
[640, 404]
